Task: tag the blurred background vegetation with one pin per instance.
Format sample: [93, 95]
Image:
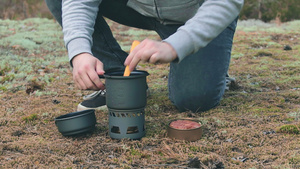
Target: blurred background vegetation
[21, 9]
[265, 10]
[268, 10]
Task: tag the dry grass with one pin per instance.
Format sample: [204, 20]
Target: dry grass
[255, 126]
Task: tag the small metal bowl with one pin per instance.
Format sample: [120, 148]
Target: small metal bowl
[185, 134]
[76, 122]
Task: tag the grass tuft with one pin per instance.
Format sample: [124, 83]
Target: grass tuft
[289, 129]
[30, 118]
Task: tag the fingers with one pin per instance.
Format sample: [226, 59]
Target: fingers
[86, 71]
[96, 79]
[142, 52]
[78, 82]
[131, 60]
[154, 58]
[135, 60]
[88, 80]
[147, 54]
[151, 51]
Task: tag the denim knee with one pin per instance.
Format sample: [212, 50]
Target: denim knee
[196, 101]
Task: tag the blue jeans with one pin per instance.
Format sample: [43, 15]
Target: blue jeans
[197, 83]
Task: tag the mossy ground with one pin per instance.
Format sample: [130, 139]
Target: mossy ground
[256, 124]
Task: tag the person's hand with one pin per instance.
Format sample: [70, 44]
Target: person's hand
[151, 51]
[86, 69]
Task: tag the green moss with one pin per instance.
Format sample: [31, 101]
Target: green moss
[29, 34]
[24, 52]
[7, 78]
[289, 129]
[295, 160]
[3, 88]
[295, 115]
[194, 148]
[135, 152]
[30, 118]
[289, 119]
[257, 25]
[236, 55]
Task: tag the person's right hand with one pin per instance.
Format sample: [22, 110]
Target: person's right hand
[86, 71]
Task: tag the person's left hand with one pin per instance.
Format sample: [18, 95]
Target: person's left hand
[150, 51]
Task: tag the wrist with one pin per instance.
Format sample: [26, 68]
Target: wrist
[172, 51]
[78, 57]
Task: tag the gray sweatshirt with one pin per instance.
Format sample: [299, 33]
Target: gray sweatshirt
[202, 20]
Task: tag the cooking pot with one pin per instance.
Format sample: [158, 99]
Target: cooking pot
[126, 92]
[76, 122]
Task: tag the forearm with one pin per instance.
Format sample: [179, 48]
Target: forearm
[78, 19]
[210, 20]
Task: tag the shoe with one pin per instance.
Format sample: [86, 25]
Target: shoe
[95, 100]
[229, 80]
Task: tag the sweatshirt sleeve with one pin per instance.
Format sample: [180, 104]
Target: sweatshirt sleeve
[78, 20]
[211, 19]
